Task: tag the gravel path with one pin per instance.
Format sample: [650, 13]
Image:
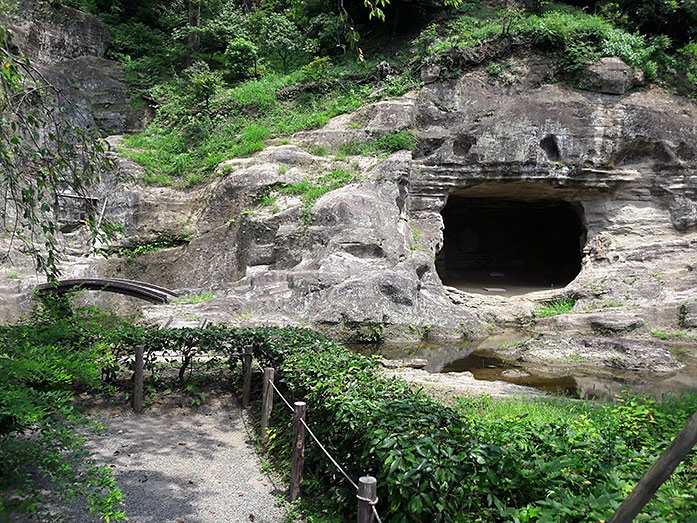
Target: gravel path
[185, 465]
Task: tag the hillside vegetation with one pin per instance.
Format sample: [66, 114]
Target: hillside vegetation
[233, 77]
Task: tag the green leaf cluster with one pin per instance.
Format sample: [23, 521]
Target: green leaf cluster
[42, 365]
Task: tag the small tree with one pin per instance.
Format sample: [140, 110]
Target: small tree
[241, 54]
[279, 36]
[203, 83]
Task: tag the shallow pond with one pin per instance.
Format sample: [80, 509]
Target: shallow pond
[479, 358]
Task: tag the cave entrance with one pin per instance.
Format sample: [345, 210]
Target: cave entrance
[510, 246]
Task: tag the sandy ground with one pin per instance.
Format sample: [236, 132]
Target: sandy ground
[182, 464]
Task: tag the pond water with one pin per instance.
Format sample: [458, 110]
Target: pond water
[479, 358]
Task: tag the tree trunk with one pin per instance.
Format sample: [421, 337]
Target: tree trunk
[194, 43]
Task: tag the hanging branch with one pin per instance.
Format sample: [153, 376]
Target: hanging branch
[45, 148]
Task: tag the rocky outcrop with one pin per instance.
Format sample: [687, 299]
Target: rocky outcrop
[48, 32]
[612, 353]
[611, 75]
[343, 264]
[68, 47]
[363, 260]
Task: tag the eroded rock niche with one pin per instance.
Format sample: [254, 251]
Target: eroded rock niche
[519, 245]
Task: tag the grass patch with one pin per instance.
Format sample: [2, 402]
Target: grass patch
[164, 241]
[382, 145]
[572, 36]
[311, 189]
[667, 335]
[192, 299]
[238, 122]
[555, 307]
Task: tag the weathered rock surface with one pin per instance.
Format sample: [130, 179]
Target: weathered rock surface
[614, 353]
[49, 32]
[68, 47]
[365, 257]
[447, 387]
[413, 363]
[612, 76]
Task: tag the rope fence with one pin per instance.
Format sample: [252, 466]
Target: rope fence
[366, 489]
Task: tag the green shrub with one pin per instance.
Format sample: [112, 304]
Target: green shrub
[41, 455]
[522, 460]
[240, 57]
[436, 464]
[317, 71]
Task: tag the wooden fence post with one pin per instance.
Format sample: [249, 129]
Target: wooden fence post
[298, 456]
[247, 375]
[367, 489]
[267, 404]
[138, 381]
[658, 473]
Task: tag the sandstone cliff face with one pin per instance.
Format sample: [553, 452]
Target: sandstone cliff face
[624, 163]
[68, 47]
[368, 260]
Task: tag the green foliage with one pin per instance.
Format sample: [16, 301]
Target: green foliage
[573, 36]
[239, 122]
[203, 82]
[514, 461]
[559, 306]
[310, 190]
[192, 299]
[42, 365]
[383, 144]
[317, 71]
[675, 18]
[278, 36]
[668, 335]
[519, 463]
[241, 56]
[163, 241]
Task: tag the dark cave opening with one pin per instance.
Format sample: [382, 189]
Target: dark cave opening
[510, 246]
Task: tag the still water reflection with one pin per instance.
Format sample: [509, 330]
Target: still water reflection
[480, 359]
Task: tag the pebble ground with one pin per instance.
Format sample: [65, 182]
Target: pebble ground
[185, 465]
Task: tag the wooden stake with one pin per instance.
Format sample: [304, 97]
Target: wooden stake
[247, 375]
[138, 399]
[266, 404]
[367, 489]
[298, 456]
[657, 475]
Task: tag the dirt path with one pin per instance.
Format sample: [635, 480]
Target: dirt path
[189, 465]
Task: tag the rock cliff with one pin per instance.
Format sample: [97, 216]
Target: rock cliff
[521, 192]
[613, 172]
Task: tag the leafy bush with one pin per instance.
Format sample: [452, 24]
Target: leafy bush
[42, 364]
[178, 143]
[317, 70]
[573, 36]
[241, 56]
[203, 83]
[436, 464]
[520, 461]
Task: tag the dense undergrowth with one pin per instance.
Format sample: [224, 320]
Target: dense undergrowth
[520, 460]
[253, 78]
